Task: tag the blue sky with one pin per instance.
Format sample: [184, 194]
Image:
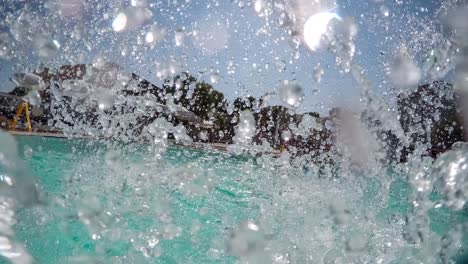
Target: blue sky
[254, 55]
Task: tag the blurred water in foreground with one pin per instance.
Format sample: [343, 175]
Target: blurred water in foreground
[98, 205]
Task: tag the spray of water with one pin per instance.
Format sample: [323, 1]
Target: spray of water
[362, 185]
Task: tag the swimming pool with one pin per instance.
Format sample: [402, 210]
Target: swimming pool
[118, 203]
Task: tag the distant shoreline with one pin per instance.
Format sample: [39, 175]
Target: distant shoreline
[55, 134]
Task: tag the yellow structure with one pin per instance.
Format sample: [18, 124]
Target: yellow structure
[282, 148]
[24, 107]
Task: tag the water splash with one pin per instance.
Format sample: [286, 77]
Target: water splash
[404, 72]
[17, 190]
[246, 128]
[351, 148]
[449, 173]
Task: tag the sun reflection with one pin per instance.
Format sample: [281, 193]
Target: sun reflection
[315, 27]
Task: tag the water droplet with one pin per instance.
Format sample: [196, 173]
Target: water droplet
[167, 69]
[21, 187]
[280, 65]
[333, 256]
[196, 226]
[215, 253]
[78, 32]
[357, 243]
[138, 3]
[112, 158]
[131, 18]
[460, 145]
[49, 49]
[340, 212]
[449, 173]
[291, 93]
[318, 73]
[211, 36]
[105, 98]
[278, 258]
[203, 135]
[404, 72]
[203, 211]
[28, 152]
[120, 22]
[384, 11]
[6, 46]
[259, 5]
[33, 98]
[316, 27]
[149, 37]
[171, 231]
[286, 135]
[231, 67]
[21, 28]
[179, 36]
[214, 77]
[307, 124]
[29, 80]
[180, 134]
[245, 130]
[246, 241]
[155, 35]
[165, 218]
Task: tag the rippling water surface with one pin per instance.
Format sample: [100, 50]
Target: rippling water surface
[196, 206]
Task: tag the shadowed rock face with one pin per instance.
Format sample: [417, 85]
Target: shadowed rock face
[430, 115]
[200, 99]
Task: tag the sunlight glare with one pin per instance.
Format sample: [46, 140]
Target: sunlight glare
[315, 27]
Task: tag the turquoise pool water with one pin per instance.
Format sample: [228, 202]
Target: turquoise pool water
[53, 161]
[103, 203]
